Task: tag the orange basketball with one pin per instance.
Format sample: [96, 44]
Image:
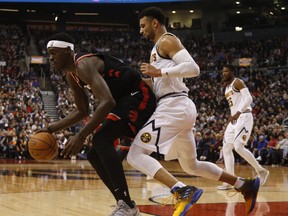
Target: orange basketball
[43, 146]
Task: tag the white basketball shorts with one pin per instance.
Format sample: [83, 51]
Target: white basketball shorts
[169, 129]
[241, 130]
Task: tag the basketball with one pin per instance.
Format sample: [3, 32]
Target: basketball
[43, 146]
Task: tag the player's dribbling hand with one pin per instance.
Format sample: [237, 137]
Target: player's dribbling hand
[73, 146]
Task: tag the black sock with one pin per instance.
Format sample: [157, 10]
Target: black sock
[111, 169]
[99, 168]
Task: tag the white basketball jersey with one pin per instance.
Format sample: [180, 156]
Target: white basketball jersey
[165, 85]
[234, 98]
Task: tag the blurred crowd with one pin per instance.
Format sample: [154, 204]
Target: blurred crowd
[127, 45]
[21, 113]
[22, 110]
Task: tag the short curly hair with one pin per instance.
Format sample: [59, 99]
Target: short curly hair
[154, 12]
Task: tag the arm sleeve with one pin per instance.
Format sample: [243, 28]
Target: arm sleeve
[185, 66]
[247, 99]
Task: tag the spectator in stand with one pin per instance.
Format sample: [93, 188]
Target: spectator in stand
[198, 137]
[216, 149]
[252, 144]
[276, 155]
[261, 146]
[21, 147]
[203, 149]
[271, 146]
[281, 153]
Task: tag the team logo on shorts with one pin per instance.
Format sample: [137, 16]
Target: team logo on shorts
[146, 137]
[244, 137]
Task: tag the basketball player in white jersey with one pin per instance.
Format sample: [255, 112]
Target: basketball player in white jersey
[240, 125]
[169, 130]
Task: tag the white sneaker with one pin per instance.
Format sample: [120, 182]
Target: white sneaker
[225, 186]
[259, 158]
[122, 209]
[263, 175]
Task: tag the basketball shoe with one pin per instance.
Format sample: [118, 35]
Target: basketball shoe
[185, 198]
[263, 175]
[122, 209]
[250, 191]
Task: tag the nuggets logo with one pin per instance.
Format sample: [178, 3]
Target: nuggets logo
[244, 137]
[146, 137]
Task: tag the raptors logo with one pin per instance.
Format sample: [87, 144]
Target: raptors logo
[146, 137]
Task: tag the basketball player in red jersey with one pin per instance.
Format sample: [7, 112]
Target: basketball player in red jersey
[169, 129]
[125, 104]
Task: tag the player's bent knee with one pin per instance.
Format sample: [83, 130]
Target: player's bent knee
[190, 166]
[239, 146]
[190, 171]
[130, 159]
[135, 162]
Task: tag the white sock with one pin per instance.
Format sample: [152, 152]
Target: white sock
[179, 184]
[239, 183]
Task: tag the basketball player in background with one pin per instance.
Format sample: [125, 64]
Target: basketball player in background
[240, 125]
[125, 103]
[169, 130]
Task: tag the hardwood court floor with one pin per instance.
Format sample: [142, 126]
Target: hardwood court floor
[71, 188]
